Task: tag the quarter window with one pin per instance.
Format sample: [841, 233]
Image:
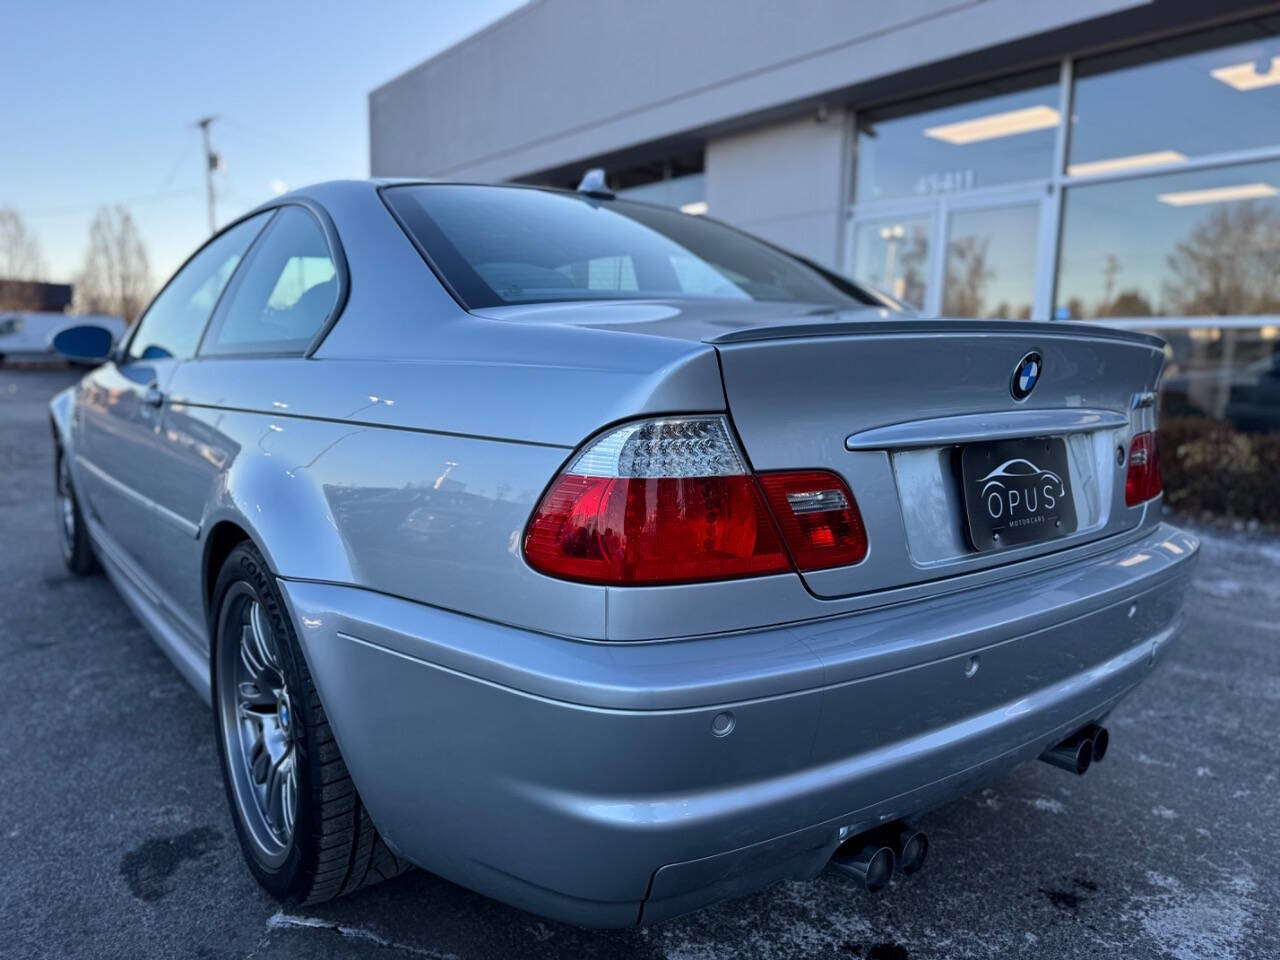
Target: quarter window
[284, 295]
[172, 325]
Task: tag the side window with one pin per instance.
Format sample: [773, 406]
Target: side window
[283, 296]
[172, 325]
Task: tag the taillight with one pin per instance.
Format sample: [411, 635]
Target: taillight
[1143, 481]
[818, 516]
[672, 501]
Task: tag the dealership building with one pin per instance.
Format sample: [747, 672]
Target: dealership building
[1107, 160]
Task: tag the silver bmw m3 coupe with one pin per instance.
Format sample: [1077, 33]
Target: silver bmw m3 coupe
[605, 559]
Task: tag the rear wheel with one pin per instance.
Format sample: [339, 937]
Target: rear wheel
[73, 538]
[303, 830]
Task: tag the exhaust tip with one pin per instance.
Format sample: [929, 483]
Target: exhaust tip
[872, 866]
[913, 848]
[1101, 740]
[1084, 756]
[1074, 754]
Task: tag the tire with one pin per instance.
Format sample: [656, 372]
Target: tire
[304, 832]
[73, 536]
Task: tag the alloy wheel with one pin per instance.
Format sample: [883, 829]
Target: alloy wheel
[258, 724]
[64, 506]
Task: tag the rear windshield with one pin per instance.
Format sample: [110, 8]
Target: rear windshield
[508, 245]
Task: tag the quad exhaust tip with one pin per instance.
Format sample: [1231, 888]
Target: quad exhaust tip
[1101, 739]
[871, 858]
[870, 865]
[912, 848]
[1078, 752]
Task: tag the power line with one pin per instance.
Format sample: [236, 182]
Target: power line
[98, 204]
[177, 165]
[284, 147]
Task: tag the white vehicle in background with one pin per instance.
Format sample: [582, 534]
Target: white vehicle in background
[28, 335]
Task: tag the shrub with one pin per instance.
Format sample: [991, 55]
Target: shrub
[1210, 467]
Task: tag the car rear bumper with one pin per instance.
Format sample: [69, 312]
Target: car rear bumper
[595, 783]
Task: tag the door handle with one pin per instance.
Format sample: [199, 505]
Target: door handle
[153, 397]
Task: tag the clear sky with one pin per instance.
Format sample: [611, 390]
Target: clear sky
[97, 102]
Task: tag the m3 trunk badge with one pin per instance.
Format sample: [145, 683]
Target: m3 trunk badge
[1025, 376]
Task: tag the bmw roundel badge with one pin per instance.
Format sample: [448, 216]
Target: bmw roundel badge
[1025, 376]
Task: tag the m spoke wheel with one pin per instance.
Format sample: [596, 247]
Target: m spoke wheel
[259, 726]
[305, 834]
[64, 507]
[73, 536]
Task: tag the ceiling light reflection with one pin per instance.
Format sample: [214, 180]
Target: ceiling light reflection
[1158, 158]
[1244, 191]
[996, 125]
[1246, 76]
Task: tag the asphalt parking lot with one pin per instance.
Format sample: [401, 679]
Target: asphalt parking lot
[115, 841]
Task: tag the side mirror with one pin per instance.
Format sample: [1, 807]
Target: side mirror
[87, 343]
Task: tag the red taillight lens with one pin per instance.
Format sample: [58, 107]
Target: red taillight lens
[635, 530]
[673, 501]
[1143, 480]
[818, 517]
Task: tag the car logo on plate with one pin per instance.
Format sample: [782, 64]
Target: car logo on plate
[1025, 376]
[1020, 483]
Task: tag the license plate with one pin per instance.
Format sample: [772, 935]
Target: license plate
[1016, 492]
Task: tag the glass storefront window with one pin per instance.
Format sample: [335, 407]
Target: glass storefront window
[1156, 105]
[991, 260]
[1220, 420]
[1224, 373]
[1199, 243]
[1000, 132]
[893, 255]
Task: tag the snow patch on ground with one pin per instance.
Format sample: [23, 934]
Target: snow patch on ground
[989, 799]
[1049, 805]
[1271, 553]
[1224, 589]
[287, 921]
[1192, 926]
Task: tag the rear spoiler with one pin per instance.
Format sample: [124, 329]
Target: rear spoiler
[829, 327]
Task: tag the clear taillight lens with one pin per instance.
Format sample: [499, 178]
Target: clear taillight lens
[672, 501]
[1143, 481]
[663, 501]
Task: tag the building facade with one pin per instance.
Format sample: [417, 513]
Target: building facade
[1104, 160]
[35, 295]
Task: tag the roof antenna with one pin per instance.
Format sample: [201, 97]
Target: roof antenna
[593, 184]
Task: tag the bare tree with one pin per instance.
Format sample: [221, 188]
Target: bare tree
[1228, 264]
[20, 262]
[117, 275]
[965, 287]
[19, 249]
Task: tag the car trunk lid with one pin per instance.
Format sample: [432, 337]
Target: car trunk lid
[892, 406]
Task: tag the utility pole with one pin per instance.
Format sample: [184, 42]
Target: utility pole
[211, 163]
